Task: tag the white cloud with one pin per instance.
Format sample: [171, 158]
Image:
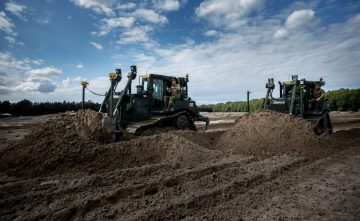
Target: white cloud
[44, 20]
[96, 45]
[112, 23]
[142, 58]
[99, 6]
[281, 33]
[234, 62]
[230, 13]
[126, 6]
[295, 21]
[353, 25]
[300, 18]
[66, 82]
[18, 76]
[167, 5]
[39, 79]
[99, 84]
[135, 35]
[44, 72]
[5, 23]
[12, 41]
[16, 9]
[43, 85]
[126, 22]
[78, 79]
[150, 16]
[243, 60]
[10, 65]
[35, 62]
[128, 17]
[79, 66]
[211, 33]
[73, 91]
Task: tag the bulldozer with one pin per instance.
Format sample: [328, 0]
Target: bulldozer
[296, 99]
[142, 112]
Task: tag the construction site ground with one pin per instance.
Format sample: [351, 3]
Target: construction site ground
[262, 166]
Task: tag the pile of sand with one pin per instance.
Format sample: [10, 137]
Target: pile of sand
[269, 133]
[62, 138]
[73, 142]
[166, 148]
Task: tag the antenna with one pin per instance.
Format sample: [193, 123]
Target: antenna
[149, 67]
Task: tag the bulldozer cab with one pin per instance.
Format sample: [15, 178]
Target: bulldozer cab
[155, 87]
[304, 94]
[297, 97]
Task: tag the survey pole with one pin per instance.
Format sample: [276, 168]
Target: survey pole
[84, 84]
[248, 101]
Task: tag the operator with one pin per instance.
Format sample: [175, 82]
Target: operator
[318, 96]
[174, 90]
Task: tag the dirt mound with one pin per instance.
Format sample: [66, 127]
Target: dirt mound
[73, 142]
[268, 133]
[63, 137]
[161, 148]
[63, 171]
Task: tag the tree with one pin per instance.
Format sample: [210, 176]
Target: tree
[5, 107]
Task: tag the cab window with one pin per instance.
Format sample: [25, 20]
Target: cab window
[145, 84]
[157, 87]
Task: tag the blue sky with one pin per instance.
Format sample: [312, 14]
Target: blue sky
[226, 46]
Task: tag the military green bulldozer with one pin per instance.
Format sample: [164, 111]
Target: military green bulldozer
[297, 98]
[142, 112]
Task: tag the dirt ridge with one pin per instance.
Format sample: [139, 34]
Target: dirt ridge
[64, 170]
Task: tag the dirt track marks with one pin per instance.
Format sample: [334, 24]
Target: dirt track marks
[143, 193]
[219, 187]
[179, 175]
[326, 189]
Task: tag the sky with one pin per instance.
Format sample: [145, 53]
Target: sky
[47, 47]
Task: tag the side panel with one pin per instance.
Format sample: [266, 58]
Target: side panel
[278, 105]
[137, 109]
[180, 104]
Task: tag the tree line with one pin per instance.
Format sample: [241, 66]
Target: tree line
[28, 108]
[237, 106]
[340, 100]
[344, 99]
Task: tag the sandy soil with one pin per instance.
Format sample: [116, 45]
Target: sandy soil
[264, 166]
[15, 128]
